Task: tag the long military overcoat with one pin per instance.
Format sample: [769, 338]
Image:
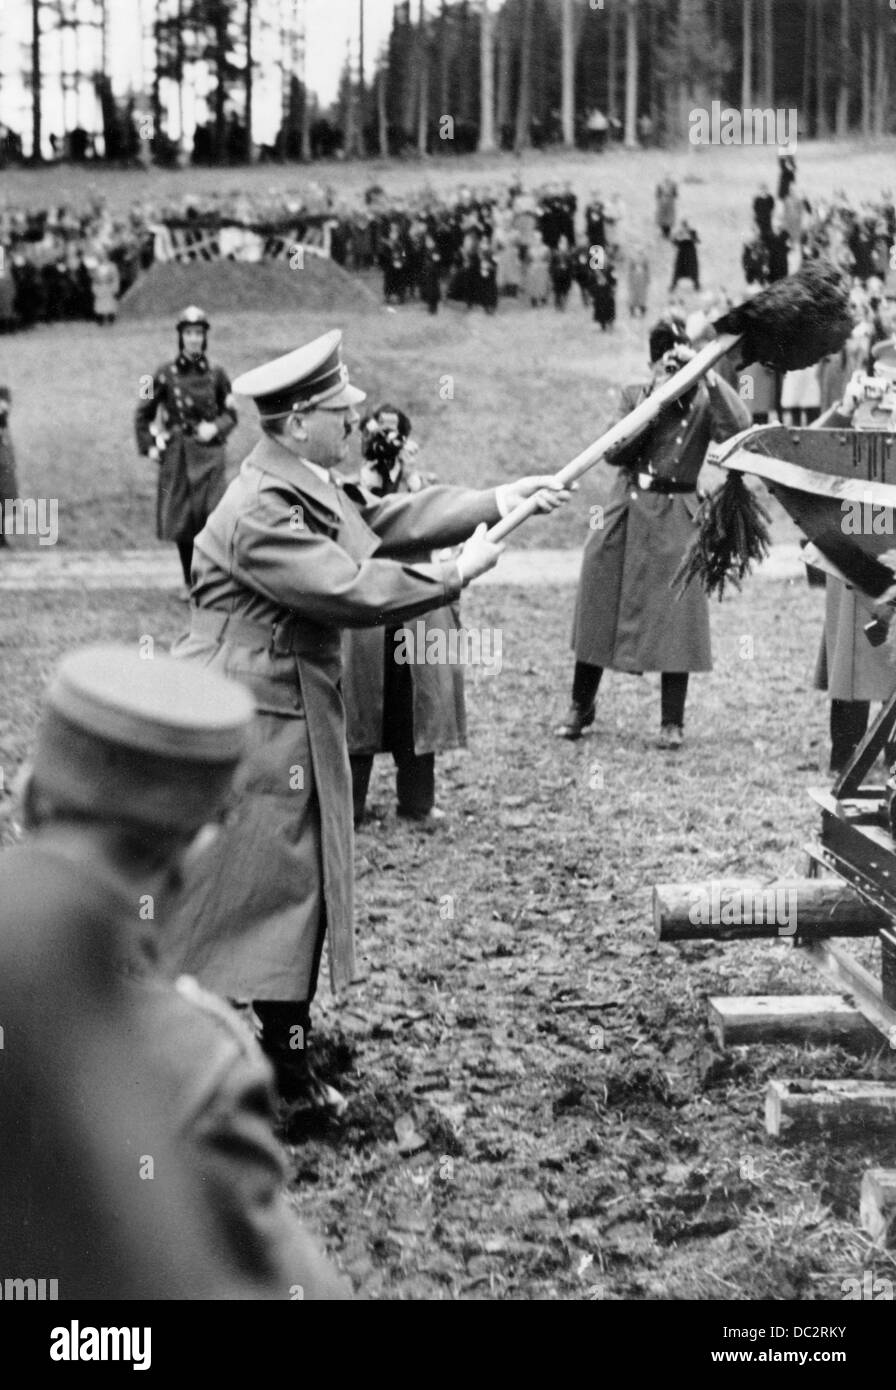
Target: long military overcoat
[285, 562]
[192, 475]
[440, 720]
[627, 617]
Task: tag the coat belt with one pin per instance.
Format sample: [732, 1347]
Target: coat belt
[281, 638]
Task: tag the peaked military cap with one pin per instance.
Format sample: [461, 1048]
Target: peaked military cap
[147, 742]
[313, 377]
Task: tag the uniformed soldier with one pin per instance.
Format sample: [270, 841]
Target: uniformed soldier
[853, 671]
[132, 758]
[627, 616]
[289, 558]
[183, 426]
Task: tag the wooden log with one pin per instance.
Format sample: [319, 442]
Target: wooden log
[744, 909]
[793, 1018]
[877, 1205]
[795, 1109]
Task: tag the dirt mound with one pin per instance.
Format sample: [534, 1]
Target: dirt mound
[234, 286]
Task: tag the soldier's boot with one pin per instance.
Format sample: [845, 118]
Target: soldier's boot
[306, 1099]
[576, 721]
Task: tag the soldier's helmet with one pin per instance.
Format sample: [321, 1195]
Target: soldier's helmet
[193, 317]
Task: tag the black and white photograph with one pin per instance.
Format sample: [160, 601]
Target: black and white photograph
[448, 650]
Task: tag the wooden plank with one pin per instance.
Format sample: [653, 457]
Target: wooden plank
[793, 1018]
[877, 1205]
[794, 1109]
[743, 909]
[861, 987]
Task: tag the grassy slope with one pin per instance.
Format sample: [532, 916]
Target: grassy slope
[530, 388]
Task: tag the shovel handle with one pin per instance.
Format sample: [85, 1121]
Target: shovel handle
[626, 429]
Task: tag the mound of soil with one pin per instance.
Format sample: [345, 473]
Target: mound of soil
[234, 286]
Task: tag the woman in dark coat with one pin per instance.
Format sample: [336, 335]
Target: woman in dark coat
[488, 277]
[603, 295]
[687, 265]
[431, 274]
[561, 272]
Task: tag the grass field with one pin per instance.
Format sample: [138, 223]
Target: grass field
[489, 397]
[581, 1137]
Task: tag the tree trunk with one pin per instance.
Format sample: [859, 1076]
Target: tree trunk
[37, 85]
[444, 57]
[423, 69]
[631, 75]
[220, 85]
[881, 75]
[611, 64]
[410, 80]
[769, 54]
[504, 40]
[568, 75]
[822, 127]
[362, 103]
[382, 117]
[524, 97]
[842, 119]
[807, 63]
[866, 80]
[486, 80]
[250, 144]
[746, 81]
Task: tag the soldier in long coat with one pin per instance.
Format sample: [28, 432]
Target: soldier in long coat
[131, 758]
[852, 671]
[626, 616]
[182, 423]
[412, 711]
[287, 560]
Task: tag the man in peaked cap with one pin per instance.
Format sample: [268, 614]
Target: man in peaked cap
[290, 557]
[182, 423]
[111, 1075]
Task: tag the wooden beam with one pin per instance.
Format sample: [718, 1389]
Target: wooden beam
[793, 1018]
[846, 973]
[743, 909]
[877, 1205]
[797, 1109]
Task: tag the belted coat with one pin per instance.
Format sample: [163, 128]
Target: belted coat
[286, 561]
[627, 617]
[191, 474]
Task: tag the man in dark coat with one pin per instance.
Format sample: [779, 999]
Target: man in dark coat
[288, 559]
[140, 1150]
[627, 617]
[182, 422]
[763, 207]
[687, 264]
[412, 710]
